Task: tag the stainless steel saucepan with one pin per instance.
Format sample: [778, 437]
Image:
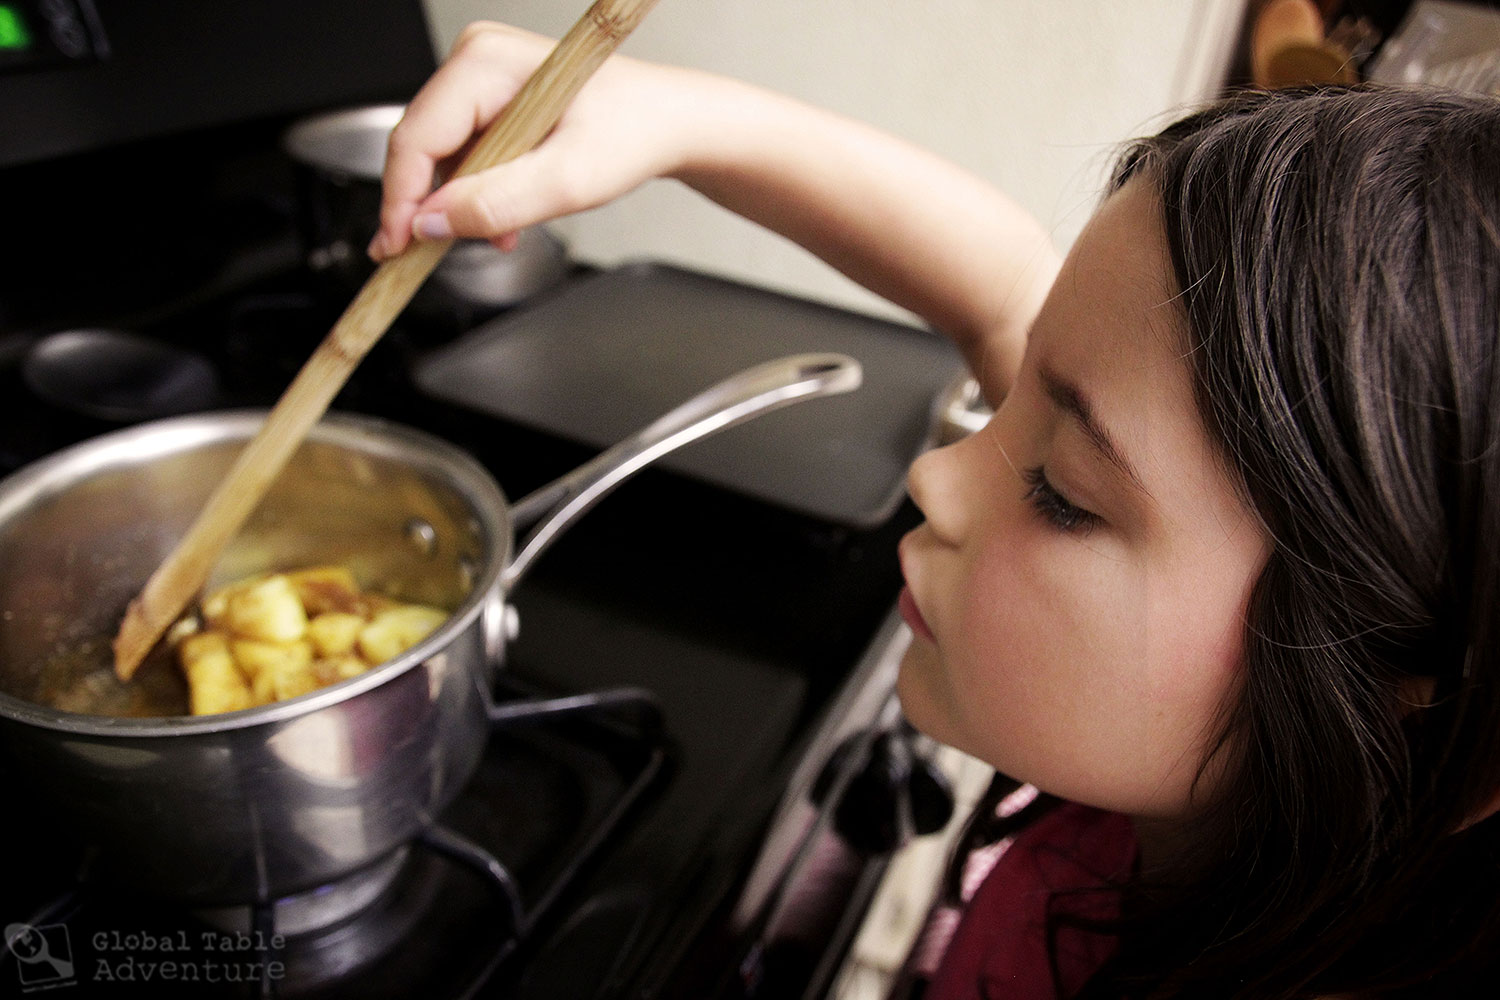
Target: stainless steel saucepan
[270, 801]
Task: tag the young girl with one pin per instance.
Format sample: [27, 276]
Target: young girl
[1221, 576]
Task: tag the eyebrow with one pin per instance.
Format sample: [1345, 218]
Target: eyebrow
[1071, 400]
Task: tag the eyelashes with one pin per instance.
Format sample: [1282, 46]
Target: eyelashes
[1055, 508]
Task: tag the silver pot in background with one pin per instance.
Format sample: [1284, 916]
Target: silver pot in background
[341, 155]
[267, 802]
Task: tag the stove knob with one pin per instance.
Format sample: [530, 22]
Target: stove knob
[869, 815]
[895, 796]
[931, 794]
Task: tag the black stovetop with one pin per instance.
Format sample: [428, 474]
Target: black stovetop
[741, 620]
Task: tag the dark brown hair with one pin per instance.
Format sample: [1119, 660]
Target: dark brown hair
[1338, 256]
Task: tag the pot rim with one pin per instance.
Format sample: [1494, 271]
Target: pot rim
[317, 141]
[361, 432]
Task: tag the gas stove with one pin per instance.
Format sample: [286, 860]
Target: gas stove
[733, 647]
[730, 661]
[638, 846]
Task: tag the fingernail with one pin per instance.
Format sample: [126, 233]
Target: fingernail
[432, 226]
[376, 250]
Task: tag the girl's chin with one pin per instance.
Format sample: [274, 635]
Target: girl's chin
[914, 687]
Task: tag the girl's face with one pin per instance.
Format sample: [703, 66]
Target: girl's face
[1079, 588]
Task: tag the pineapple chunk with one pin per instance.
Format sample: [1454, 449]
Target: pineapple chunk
[216, 604]
[334, 633]
[290, 684]
[325, 589]
[398, 629]
[277, 670]
[215, 683]
[378, 604]
[267, 609]
[332, 669]
[256, 655]
[276, 636]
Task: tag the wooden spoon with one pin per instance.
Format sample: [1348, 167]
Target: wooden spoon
[524, 123]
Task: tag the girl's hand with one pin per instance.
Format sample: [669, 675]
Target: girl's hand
[908, 225]
[618, 133]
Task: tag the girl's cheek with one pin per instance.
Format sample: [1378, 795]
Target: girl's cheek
[1013, 601]
[1200, 620]
[1197, 652]
[1075, 579]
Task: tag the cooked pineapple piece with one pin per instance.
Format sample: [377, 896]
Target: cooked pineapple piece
[325, 589]
[332, 669]
[334, 633]
[288, 684]
[277, 670]
[276, 636]
[267, 610]
[257, 655]
[216, 605]
[378, 604]
[215, 683]
[201, 646]
[396, 630]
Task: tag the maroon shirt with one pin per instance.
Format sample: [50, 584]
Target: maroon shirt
[1000, 950]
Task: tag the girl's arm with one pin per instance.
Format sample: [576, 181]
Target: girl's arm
[910, 226]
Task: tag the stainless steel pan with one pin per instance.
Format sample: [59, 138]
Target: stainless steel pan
[270, 801]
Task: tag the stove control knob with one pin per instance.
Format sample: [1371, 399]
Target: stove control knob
[897, 794]
[932, 801]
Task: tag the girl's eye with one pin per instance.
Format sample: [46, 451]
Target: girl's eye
[1056, 508]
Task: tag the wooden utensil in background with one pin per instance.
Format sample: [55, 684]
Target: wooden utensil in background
[524, 123]
[1289, 47]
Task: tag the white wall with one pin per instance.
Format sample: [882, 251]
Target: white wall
[1032, 94]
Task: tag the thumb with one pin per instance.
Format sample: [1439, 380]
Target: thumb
[489, 204]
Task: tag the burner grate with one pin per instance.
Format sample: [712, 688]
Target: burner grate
[439, 917]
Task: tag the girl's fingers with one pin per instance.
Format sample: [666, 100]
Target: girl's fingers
[422, 140]
[461, 98]
[608, 142]
[494, 202]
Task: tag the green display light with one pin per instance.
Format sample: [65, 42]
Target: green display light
[13, 34]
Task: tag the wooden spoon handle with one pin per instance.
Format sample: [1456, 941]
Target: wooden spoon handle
[526, 120]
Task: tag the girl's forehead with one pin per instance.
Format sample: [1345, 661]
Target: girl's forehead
[1113, 332]
[1113, 310]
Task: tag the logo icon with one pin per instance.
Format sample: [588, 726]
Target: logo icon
[44, 955]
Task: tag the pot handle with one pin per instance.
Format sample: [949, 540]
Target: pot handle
[752, 392]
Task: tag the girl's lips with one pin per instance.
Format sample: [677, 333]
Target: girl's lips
[913, 616]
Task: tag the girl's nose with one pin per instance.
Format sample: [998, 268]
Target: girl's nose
[935, 483]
